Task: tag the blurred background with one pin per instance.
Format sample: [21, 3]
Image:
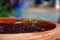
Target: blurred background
[44, 9]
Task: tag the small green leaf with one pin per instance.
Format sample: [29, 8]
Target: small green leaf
[43, 18]
[17, 22]
[33, 23]
[30, 20]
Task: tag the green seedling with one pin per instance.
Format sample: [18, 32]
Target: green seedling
[30, 20]
[34, 22]
[17, 22]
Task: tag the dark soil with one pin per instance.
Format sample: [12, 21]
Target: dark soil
[24, 28]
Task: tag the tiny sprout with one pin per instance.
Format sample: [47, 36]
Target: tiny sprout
[34, 22]
[17, 22]
[30, 20]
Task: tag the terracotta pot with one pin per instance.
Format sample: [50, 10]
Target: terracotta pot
[53, 34]
[8, 20]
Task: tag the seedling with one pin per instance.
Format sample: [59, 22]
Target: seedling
[17, 22]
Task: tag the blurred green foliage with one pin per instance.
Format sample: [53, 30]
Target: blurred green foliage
[5, 9]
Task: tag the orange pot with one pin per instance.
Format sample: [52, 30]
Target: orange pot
[53, 34]
[8, 20]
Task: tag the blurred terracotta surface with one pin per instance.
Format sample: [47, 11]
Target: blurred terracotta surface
[47, 35]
